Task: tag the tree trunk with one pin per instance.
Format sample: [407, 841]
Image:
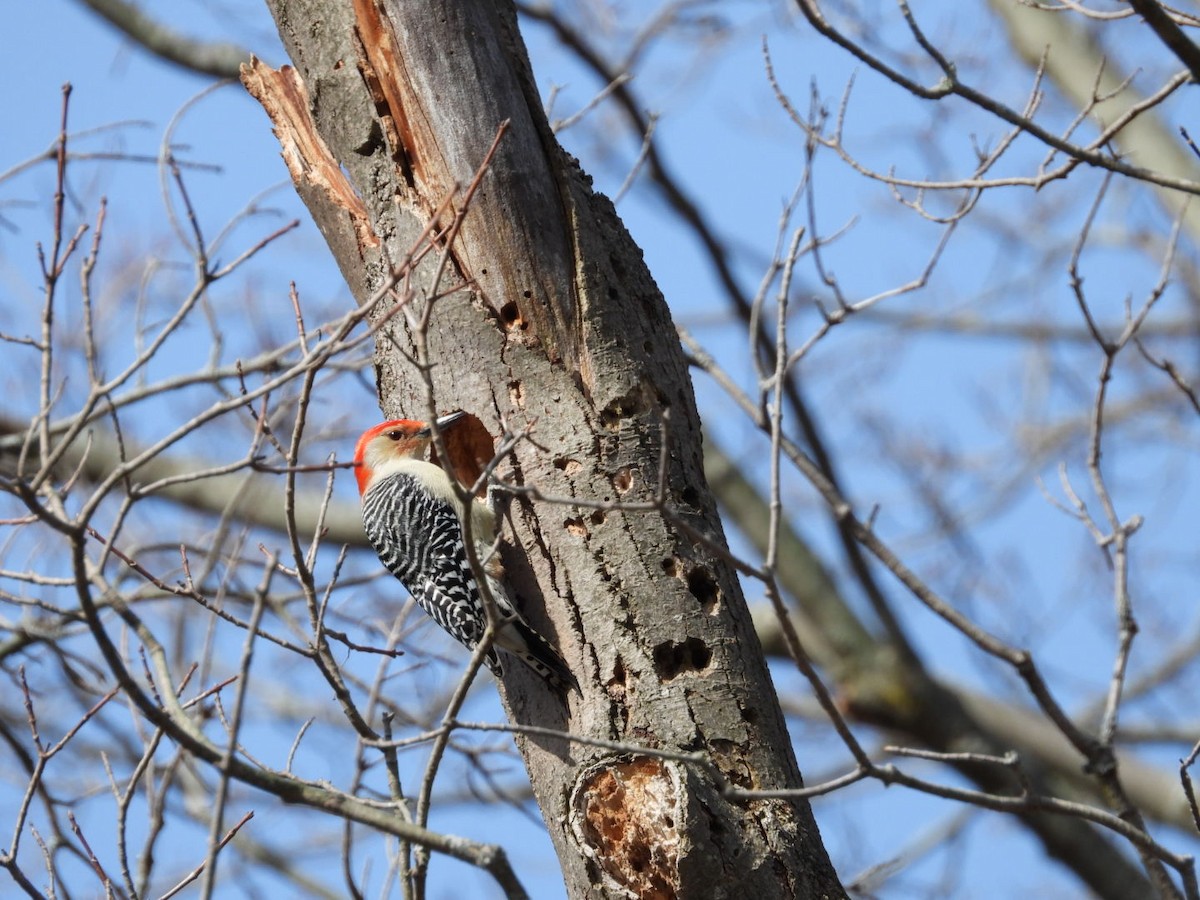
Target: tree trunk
[559, 326]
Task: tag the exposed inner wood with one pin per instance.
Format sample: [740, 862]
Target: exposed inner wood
[285, 98]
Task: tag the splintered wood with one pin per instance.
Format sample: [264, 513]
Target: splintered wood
[312, 166]
[630, 814]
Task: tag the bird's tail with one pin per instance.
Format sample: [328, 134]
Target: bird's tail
[520, 640]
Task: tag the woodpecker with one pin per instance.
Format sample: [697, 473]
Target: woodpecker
[415, 521]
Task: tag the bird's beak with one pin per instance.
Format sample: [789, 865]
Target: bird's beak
[443, 422]
[449, 419]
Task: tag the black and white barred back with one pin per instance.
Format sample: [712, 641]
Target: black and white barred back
[419, 538]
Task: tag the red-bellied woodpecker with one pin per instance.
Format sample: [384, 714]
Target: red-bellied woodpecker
[414, 520]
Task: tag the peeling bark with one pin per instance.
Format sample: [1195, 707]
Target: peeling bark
[314, 171]
[559, 325]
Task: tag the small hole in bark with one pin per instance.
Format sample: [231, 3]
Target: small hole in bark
[618, 678]
[672, 659]
[598, 517]
[575, 526]
[510, 315]
[690, 496]
[704, 588]
[623, 480]
[670, 566]
[565, 464]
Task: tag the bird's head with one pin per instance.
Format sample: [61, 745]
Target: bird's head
[391, 441]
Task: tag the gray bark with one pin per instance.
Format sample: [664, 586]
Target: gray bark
[563, 327]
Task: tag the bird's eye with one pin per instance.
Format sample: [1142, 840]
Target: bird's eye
[394, 435]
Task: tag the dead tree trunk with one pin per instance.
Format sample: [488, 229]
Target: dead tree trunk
[556, 323]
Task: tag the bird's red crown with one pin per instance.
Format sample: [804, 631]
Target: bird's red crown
[400, 431]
